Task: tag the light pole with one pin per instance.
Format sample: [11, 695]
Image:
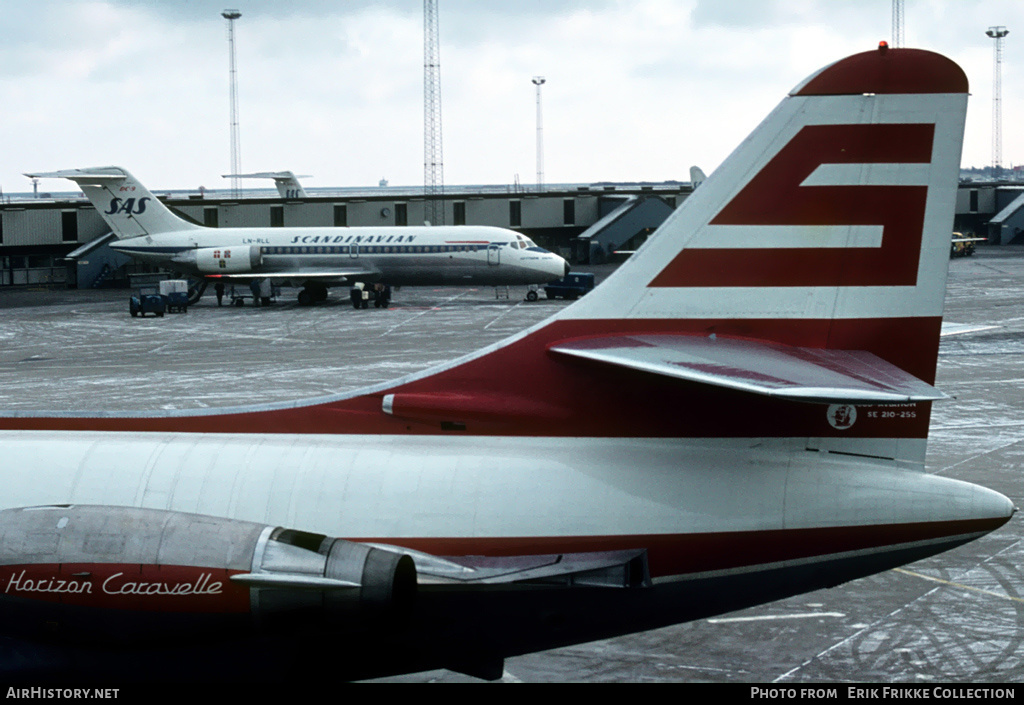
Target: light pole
[236, 148]
[540, 81]
[997, 33]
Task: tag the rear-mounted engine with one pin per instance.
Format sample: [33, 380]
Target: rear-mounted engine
[123, 575]
[225, 260]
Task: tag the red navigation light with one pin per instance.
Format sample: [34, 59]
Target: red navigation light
[883, 45]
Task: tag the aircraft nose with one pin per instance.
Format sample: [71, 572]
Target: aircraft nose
[557, 266]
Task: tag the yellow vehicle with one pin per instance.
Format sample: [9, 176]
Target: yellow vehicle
[962, 245]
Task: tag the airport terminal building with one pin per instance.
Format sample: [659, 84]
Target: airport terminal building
[60, 242]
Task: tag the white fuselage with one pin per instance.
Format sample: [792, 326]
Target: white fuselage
[398, 256]
[508, 491]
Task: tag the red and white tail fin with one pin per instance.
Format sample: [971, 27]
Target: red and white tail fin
[803, 281]
[837, 209]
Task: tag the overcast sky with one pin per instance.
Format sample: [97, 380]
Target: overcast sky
[636, 89]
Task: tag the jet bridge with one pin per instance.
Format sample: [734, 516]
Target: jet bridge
[625, 227]
[1007, 227]
[94, 264]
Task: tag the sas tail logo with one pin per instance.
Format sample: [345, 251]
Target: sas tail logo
[128, 206]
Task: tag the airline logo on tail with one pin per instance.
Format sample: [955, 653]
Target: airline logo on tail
[803, 186]
[127, 206]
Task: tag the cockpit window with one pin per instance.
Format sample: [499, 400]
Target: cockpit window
[521, 243]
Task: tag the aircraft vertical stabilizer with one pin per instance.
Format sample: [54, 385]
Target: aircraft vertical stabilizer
[124, 203]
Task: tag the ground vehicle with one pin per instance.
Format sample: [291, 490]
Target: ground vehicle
[963, 245]
[362, 295]
[571, 286]
[175, 295]
[148, 300]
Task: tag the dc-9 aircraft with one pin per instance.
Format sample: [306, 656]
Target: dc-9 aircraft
[738, 414]
[314, 258]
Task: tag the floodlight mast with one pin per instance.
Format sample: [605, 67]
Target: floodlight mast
[433, 149]
[997, 34]
[236, 148]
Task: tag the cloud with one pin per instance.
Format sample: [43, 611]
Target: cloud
[636, 89]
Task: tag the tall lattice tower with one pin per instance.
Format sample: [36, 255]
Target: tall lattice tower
[236, 144]
[433, 151]
[997, 33]
[897, 23]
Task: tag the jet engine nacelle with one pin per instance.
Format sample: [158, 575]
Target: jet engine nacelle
[125, 575]
[230, 259]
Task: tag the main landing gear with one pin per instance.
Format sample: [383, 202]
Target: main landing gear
[313, 293]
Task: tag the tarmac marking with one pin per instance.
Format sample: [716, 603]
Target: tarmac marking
[767, 617]
[978, 455]
[892, 614]
[737, 673]
[503, 314]
[422, 313]
[951, 583]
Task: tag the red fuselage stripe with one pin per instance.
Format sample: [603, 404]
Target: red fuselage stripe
[199, 589]
[523, 390]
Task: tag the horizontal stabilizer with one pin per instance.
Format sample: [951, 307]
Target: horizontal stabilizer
[800, 374]
[96, 175]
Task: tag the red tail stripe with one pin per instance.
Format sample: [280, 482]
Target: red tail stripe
[775, 197]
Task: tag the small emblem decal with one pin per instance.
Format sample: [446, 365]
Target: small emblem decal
[841, 416]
